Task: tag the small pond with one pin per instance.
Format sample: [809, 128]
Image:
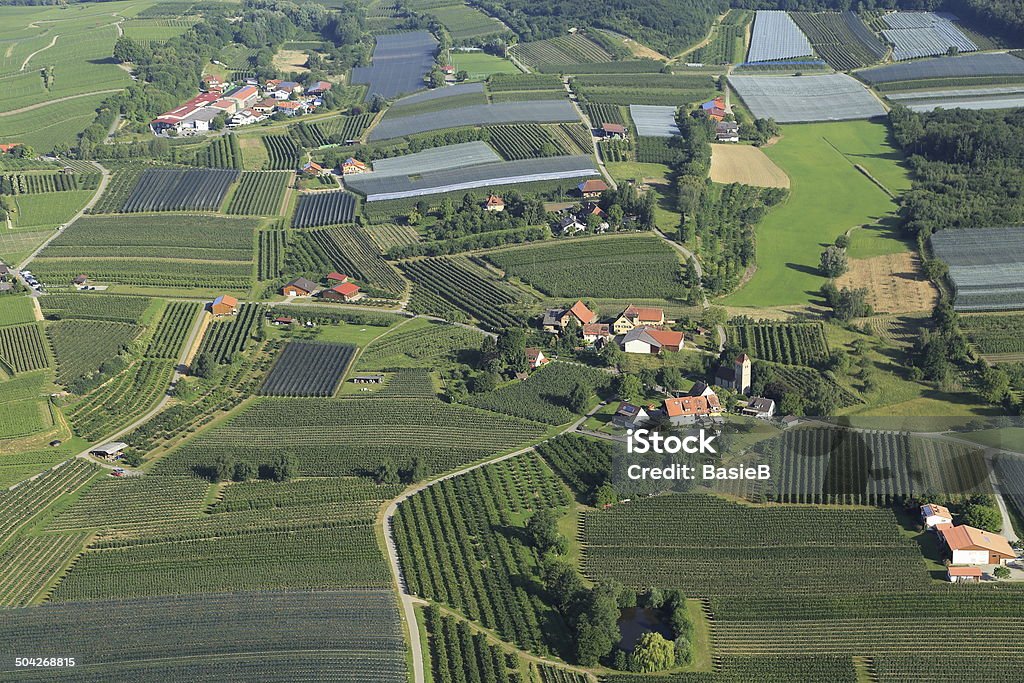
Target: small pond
[636, 621]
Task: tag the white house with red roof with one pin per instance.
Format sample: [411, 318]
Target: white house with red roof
[651, 340]
[318, 88]
[686, 410]
[969, 545]
[536, 358]
[353, 166]
[637, 316]
[557, 319]
[934, 514]
[177, 118]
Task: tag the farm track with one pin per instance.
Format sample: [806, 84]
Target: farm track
[47, 103]
[688, 255]
[24, 65]
[590, 127]
[386, 518]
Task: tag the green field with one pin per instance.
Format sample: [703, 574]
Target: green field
[49, 210]
[479, 65]
[463, 21]
[15, 310]
[793, 235]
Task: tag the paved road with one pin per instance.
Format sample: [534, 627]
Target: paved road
[590, 126]
[104, 179]
[408, 600]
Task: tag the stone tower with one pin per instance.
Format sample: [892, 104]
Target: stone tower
[741, 374]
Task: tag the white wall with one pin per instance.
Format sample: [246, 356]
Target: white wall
[970, 557]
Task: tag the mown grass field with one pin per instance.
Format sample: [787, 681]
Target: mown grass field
[820, 161]
[479, 65]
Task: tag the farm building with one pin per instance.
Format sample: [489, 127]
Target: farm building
[687, 410]
[314, 169]
[7, 147]
[591, 189]
[494, 203]
[212, 83]
[225, 105]
[651, 340]
[346, 291]
[536, 358]
[727, 131]
[969, 545]
[109, 450]
[613, 130]
[224, 304]
[266, 106]
[80, 280]
[737, 377]
[6, 287]
[636, 316]
[291, 107]
[300, 286]
[246, 117]
[933, 515]
[595, 333]
[176, 118]
[570, 225]
[629, 416]
[557, 319]
[353, 166]
[759, 407]
[368, 379]
[335, 276]
[244, 96]
[318, 88]
[283, 320]
[714, 109]
[963, 574]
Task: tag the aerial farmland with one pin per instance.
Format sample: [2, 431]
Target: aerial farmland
[332, 335]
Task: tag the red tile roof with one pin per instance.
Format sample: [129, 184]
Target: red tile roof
[964, 571]
[592, 186]
[667, 337]
[584, 314]
[692, 405]
[346, 289]
[968, 538]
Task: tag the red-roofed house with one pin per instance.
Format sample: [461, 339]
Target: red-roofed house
[8, 146]
[651, 340]
[335, 276]
[346, 291]
[224, 305]
[536, 358]
[591, 189]
[266, 106]
[244, 96]
[975, 546]
[353, 166]
[225, 105]
[495, 203]
[291, 107]
[934, 514]
[315, 169]
[212, 83]
[556, 319]
[594, 333]
[613, 130]
[637, 316]
[318, 88]
[688, 409]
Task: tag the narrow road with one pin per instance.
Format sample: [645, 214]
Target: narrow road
[690, 256]
[104, 179]
[407, 599]
[47, 103]
[590, 126]
[24, 65]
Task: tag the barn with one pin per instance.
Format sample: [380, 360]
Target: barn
[300, 286]
[969, 545]
[224, 304]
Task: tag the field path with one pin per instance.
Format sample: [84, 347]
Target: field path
[24, 65]
[386, 519]
[104, 179]
[690, 256]
[590, 126]
[47, 103]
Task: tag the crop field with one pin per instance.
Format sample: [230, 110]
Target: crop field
[341, 437]
[478, 505]
[308, 369]
[22, 349]
[819, 160]
[31, 561]
[964, 67]
[337, 129]
[125, 309]
[795, 550]
[24, 502]
[39, 183]
[409, 383]
[58, 123]
[173, 329]
[388, 236]
[111, 503]
[457, 282]
[670, 90]
[333, 635]
[840, 38]
[222, 152]
[398, 64]
[259, 194]
[600, 113]
[728, 44]
[994, 333]
[654, 121]
[416, 344]
[161, 189]
[776, 37]
[792, 343]
[438, 98]
[35, 211]
[459, 155]
[324, 208]
[804, 380]
[466, 22]
[163, 250]
[632, 267]
[127, 395]
[283, 151]
[526, 141]
[76, 359]
[272, 246]
[22, 417]
[348, 250]
[122, 181]
[519, 82]
[583, 463]
[224, 338]
[473, 177]
[923, 34]
[985, 265]
[542, 111]
[560, 51]
[544, 395]
[745, 165]
[831, 97]
[15, 310]
[455, 651]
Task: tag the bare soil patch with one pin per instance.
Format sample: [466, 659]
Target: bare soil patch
[732, 163]
[290, 60]
[894, 282]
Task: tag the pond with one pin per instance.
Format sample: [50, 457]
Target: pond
[636, 621]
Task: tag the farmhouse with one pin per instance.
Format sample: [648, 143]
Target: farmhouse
[557, 319]
[714, 109]
[7, 147]
[224, 304]
[934, 514]
[283, 320]
[651, 340]
[570, 225]
[613, 130]
[291, 107]
[265, 106]
[111, 451]
[963, 574]
[629, 416]
[494, 203]
[737, 377]
[346, 291]
[974, 546]
[536, 358]
[300, 286]
[759, 407]
[727, 131]
[597, 333]
[80, 280]
[212, 83]
[318, 88]
[335, 276]
[314, 169]
[591, 189]
[176, 118]
[687, 410]
[636, 316]
[353, 166]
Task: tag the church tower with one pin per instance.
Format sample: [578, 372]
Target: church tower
[741, 374]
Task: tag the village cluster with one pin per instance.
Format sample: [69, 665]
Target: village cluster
[240, 104]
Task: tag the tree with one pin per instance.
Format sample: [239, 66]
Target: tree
[579, 397]
[281, 468]
[605, 495]
[542, 532]
[842, 241]
[713, 316]
[1001, 572]
[653, 598]
[833, 262]
[222, 468]
[243, 471]
[219, 121]
[203, 365]
[653, 653]
[628, 388]
[462, 75]
[484, 381]
[387, 473]
[983, 517]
